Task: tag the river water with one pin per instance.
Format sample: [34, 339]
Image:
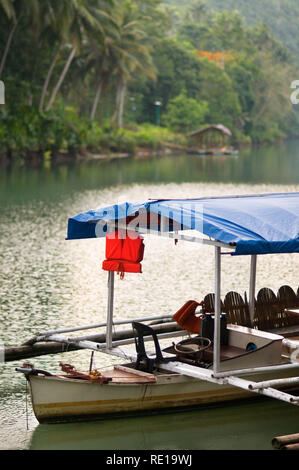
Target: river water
[48, 283]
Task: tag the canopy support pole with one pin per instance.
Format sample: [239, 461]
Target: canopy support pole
[164, 227]
[110, 310]
[252, 287]
[216, 362]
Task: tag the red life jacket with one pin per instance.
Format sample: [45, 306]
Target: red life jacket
[186, 317]
[123, 254]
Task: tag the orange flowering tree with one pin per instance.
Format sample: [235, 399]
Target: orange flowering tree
[218, 57]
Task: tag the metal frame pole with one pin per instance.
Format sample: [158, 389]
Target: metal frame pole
[216, 360]
[252, 287]
[110, 309]
[164, 225]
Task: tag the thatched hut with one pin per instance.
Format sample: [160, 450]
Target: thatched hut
[211, 136]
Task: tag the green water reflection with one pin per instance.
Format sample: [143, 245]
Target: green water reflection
[274, 165]
[243, 426]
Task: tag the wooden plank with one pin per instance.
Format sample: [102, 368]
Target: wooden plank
[122, 374]
[134, 371]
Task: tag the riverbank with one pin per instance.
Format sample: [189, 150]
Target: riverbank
[36, 160]
[30, 134]
[33, 137]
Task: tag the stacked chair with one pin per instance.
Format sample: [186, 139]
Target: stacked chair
[271, 310]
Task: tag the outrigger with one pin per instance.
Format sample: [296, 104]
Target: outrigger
[217, 361]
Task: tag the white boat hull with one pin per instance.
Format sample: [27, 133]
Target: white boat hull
[126, 390]
[56, 399]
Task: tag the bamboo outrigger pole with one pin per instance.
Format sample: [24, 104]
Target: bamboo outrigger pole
[45, 343]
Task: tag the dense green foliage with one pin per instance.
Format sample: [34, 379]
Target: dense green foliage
[87, 75]
[184, 113]
[281, 17]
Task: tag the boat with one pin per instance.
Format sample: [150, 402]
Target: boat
[215, 151]
[213, 361]
[124, 390]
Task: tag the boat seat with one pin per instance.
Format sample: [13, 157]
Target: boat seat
[287, 297]
[209, 304]
[237, 310]
[142, 330]
[268, 311]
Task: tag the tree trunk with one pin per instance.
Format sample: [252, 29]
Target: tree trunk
[46, 84]
[122, 103]
[96, 99]
[116, 104]
[61, 79]
[7, 47]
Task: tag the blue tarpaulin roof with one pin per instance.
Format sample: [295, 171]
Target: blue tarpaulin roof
[255, 224]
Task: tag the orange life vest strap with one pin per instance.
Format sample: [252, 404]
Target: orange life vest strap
[120, 266]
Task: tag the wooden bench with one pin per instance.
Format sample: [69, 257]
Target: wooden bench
[273, 313]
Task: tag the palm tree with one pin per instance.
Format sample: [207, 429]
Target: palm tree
[82, 19]
[100, 59]
[7, 7]
[121, 54]
[134, 54]
[57, 28]
[101, 56]
[48, 77]
[15, 9]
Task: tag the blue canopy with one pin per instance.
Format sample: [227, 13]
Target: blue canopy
[254, 224]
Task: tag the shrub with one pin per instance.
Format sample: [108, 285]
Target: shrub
[185, 114]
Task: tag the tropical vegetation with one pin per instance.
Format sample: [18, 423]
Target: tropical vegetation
[117, 75]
